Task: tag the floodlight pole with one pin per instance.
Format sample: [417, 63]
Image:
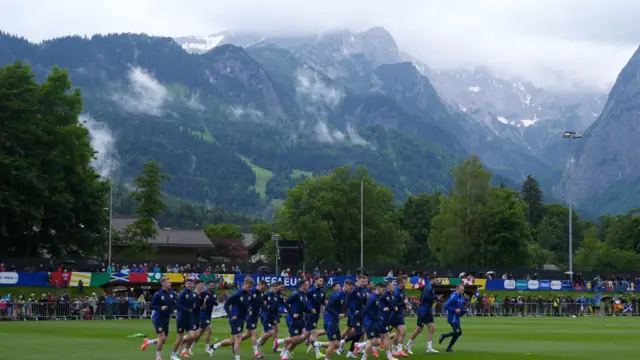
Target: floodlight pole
[570, 135]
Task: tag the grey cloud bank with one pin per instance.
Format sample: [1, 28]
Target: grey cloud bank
[558, 44]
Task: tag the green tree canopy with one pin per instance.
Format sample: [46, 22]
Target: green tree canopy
[325, 213]
[51, 200]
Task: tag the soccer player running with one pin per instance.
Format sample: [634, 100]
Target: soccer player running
[425, 316]
[210, 300]
[388, 305]
[455, 309]
[237, 308]
[194, 332]
[296, 305]
[316, 297]
[397, 319]
[372, 323]
[355, 300]
[333, 312]
[162, 306]
[256, 306]
[270, 314]
[184, 320]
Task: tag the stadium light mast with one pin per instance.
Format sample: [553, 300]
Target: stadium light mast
[110, 219]
[362, 224]
[570, 135]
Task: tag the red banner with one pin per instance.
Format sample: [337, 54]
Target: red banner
[60, 278]
[138, 277]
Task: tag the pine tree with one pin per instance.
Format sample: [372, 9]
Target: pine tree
[532, 196]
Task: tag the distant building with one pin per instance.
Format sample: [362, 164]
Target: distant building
[172, 245]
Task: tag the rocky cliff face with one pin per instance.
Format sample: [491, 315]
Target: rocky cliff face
[609, 153]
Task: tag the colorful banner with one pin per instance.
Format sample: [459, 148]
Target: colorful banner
[9, 278]
[288, 281]
[521, 284]
[76, 277]
[99, 279]
[60, 279]
[154, 277]
[174, 278]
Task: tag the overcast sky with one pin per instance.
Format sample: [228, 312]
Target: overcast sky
[553, 43]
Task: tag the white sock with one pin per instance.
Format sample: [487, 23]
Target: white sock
[237, 357]
[255, 349]
[364, 356]
[153, 341]
[216, 346]
[409, 343]
[280, 341]
[389, 356]
[158, 354]
[174, 354]
[342, 342]
[259, 342]
[429, 344]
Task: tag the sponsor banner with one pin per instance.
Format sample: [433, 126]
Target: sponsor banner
[637, 285]
[521, 284]
[509, 284]
[442, 281]
[556, 285]
[76, 277]
[567, 285]
[533, 284]
[480, 283]
[11, 278]
[545, 284]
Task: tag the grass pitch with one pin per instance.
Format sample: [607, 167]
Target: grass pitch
[594, 338]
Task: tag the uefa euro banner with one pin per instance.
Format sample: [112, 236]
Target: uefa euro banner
[290, 282]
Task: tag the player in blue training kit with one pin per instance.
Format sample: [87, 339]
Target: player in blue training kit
[162, 305]
[296, 306]
[388, 306]
[270, 313]
[455, 308]
[397, 319]
[210, 300]
[356, 301]
[185, 304]
[256, 306]
[425, 317]
[187, 344]
[237, 308]
[372, 319]
[333, 312]
[316, 298]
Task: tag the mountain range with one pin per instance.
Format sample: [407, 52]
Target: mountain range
[238, 118]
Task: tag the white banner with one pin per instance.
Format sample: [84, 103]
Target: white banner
[218, 312]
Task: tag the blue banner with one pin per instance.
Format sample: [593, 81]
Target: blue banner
[521, 284]
[291, 282]
[567, 285]
[23, 279]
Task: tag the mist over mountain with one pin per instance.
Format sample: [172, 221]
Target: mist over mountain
[238, 118]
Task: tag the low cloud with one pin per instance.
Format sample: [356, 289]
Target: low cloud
[326, 135]
[310, 85]
[103, 142]
[194, 102]
[242, 113]
[146, 95]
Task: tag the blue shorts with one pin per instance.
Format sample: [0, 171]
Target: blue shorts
[385, 327]
[205, 321]
[354, 321]
[425, 317]
[252, 322]
[311, 321]
[236, 325]
[332, 327]
[397, 320]
[195, 320]
[184, 322]
[296, 326]
[372, 329]
[268, 321]
[161, 325]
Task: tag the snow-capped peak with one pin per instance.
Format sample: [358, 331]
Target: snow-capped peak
[200, 44]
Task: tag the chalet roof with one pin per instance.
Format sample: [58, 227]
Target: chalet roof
[169, 237]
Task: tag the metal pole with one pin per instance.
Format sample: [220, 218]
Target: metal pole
[110, 219]
[570, 209]
[361, 224]
[277, 259]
